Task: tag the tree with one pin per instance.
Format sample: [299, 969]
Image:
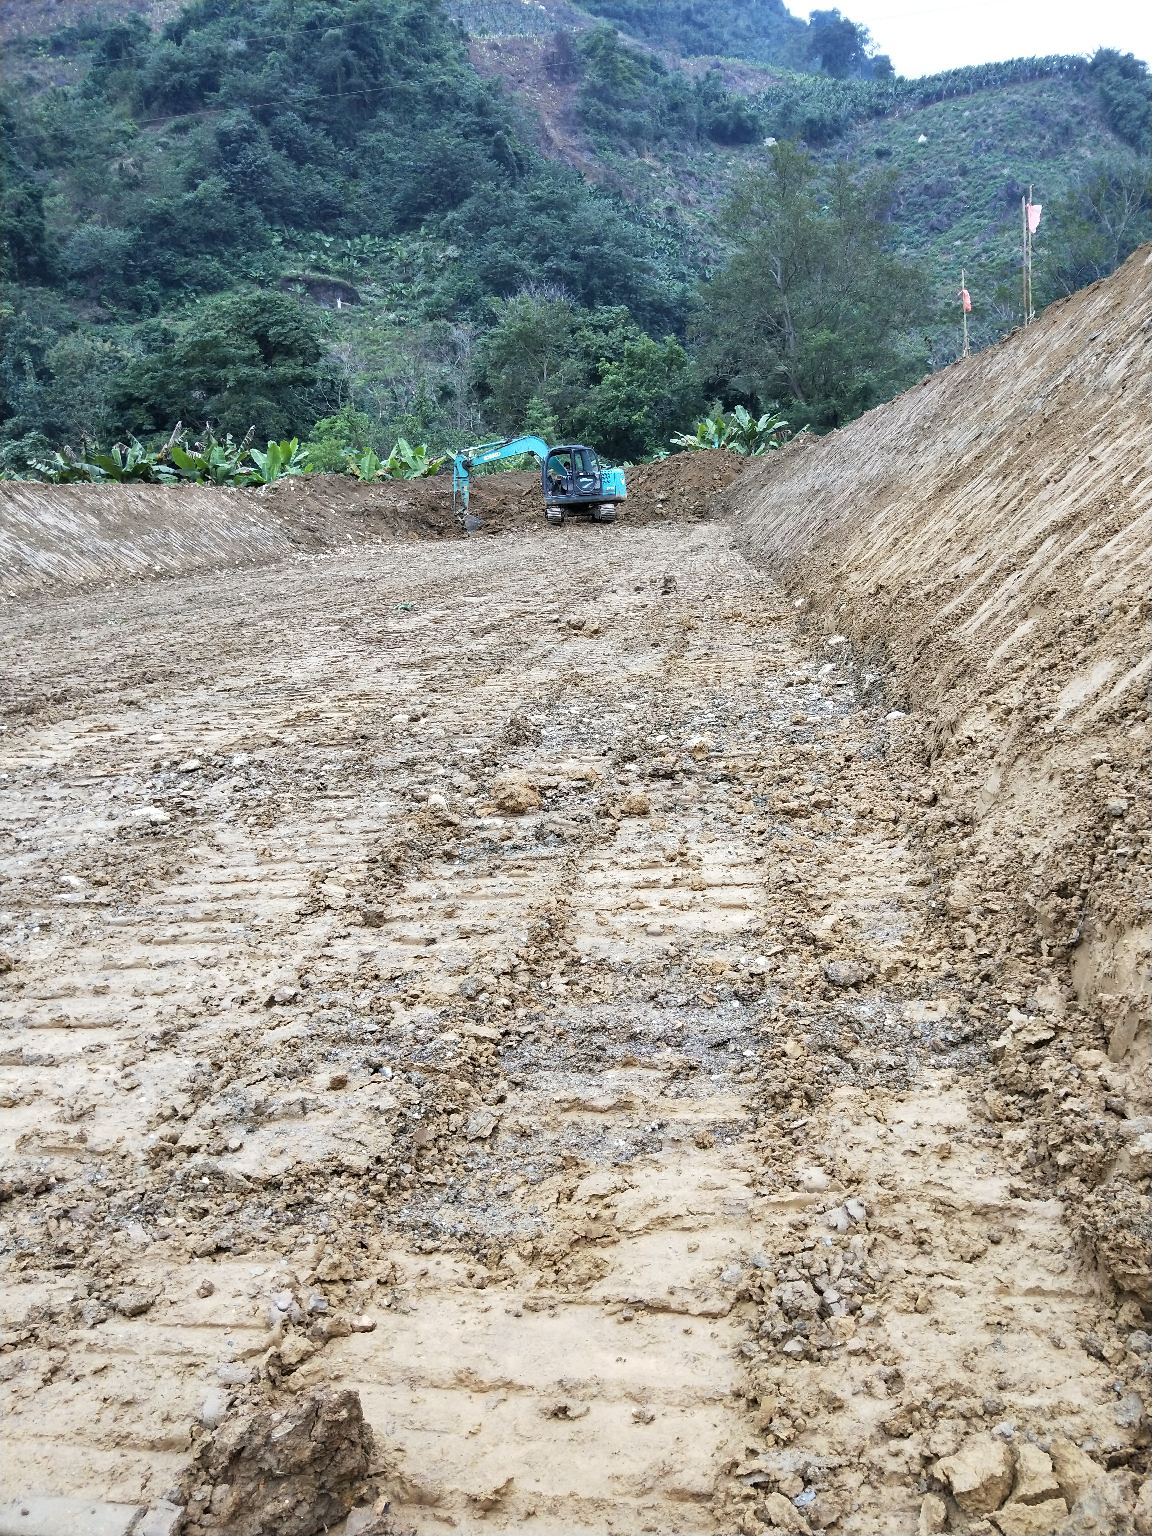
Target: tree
[333, 436]
[528, 355]
[24, 241]
[244, 360]
[1124, 91]
[838, 45]
[812, 312]
[1093, 228]
[639, 400]
[80, 401]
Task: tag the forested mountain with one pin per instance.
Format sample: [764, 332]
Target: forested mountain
[441, 220]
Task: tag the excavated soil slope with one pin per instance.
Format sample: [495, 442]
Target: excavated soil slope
[520, 1034]
[984, 541]
[72, 536]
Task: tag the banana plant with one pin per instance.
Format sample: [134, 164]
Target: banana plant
[739, 433]
[278, 460]
[364, 465]
[710, 433]
[62, 468]
[130, 463]
[747, 435]
[210, 462]
[403, 463]
[408, 463]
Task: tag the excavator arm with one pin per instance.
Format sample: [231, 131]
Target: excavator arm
[488, 453]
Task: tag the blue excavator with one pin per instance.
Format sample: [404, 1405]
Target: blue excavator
[571, 476]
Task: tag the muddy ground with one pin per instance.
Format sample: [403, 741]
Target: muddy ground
[517, 989]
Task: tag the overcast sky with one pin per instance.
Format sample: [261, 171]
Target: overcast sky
[924, 36]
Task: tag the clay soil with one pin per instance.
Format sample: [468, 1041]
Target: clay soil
[550, 990]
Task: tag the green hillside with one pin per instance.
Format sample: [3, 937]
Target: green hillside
[268, 214]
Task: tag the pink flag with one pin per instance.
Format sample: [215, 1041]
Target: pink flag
[1034, 217]
[965, 299]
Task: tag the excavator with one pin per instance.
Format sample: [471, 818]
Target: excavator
[571, 476]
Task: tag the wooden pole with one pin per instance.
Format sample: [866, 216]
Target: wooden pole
[1024, 257]
[1031, 306]
[964, 310]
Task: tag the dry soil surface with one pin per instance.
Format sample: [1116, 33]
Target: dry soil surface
[510, 987]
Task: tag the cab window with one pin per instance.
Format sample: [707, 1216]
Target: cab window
[559, 465]
[589, 463]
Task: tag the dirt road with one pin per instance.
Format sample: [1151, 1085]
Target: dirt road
[493, 976]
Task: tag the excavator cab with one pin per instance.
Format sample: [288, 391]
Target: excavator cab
[575, 481]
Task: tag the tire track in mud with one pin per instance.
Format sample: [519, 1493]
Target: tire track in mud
[521, 950]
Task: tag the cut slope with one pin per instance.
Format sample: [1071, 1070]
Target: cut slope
[984, 540]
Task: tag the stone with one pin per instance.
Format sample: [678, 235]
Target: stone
[205, 1289]
[164, 1519]
[824, 1510]
[635, 803]
[979, 1475]
[515, 794]
[481, 1123]
[133, 1303]
[233, 1374]
[1075, 1472]
[782, 1513]
[857, 1210]
[1129, 1411]
[1140, 1156]
[292, 1469]
[1042, 1519]
[698, 746]
[1104, 1509]
[814, 1180]
[798, 1299]
[933, 1516]
[214, 1407]
[846, 973]
[363, 1324]
[294, 1350]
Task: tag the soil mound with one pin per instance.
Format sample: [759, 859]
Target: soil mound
[293, 1469]
[74, 536]
[983, 540]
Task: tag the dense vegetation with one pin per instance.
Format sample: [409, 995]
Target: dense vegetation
[300, 212]
[762, 31]
[812, 310]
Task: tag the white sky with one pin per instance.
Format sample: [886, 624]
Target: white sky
[924, 36]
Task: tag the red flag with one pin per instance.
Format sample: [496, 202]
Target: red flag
[1034, 210]
[966, 299]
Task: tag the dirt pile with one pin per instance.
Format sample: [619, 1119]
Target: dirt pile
[71, 536]
[982, 544]
[294, 1469]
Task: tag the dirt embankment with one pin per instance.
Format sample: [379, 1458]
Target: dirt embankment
[75, 536]
[983, 543]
